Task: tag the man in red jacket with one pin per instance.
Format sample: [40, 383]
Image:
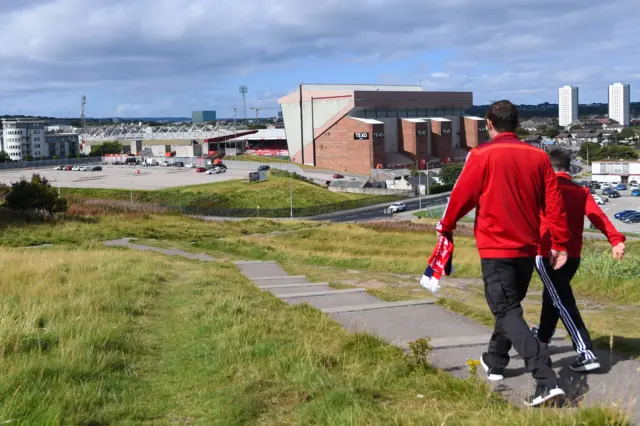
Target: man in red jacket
[509, 182]
[557, 297]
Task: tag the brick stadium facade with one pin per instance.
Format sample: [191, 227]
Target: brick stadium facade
[356, 128]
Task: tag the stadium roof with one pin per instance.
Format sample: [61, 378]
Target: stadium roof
[264, 135]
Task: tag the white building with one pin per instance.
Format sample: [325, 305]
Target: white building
[619, 99]
[23, 138]
[567, 105]
[615, 171]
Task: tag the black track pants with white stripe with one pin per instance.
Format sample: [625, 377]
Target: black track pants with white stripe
[558, 302]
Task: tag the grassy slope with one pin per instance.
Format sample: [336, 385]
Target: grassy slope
[114, 336]
[271, 194]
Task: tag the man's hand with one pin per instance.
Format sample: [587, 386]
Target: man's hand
[558, 259]
[618, 251]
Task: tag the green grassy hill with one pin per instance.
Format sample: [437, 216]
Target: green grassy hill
[273, 193]
[90, 335]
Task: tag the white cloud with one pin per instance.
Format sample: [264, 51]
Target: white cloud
[169, 56]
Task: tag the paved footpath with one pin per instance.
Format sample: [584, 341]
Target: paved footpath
[454, 338]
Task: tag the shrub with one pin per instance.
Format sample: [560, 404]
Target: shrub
[292, 175]
[35, 195]
[439, 189]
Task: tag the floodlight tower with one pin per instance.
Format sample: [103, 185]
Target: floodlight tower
[243, 92]
[82, 118]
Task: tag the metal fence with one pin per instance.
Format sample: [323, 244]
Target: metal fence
[281, 212]
[39, 164]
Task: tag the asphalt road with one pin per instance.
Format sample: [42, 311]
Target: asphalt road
[378, 212]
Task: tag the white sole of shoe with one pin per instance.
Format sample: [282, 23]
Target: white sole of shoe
[491, 377]
[554, 393]
[586, 368]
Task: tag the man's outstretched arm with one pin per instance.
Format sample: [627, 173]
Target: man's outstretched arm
[466, 193]
[601, 221]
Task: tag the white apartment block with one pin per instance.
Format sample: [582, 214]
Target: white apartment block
[22, 138]
[567, 105]
[619, 99]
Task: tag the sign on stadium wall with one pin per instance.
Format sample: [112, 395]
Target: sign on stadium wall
[360, 136]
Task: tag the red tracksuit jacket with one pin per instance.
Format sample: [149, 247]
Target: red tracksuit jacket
[578, 203]
[508, 182]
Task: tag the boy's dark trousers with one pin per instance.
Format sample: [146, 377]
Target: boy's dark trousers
[558, 302]
[506, 282]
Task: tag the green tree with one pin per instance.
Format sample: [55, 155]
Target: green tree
[590, 149]
[627, 133]
[28, 158]
[35, 195]
[542, 128]
[4, 157]
[449, 173]
[113, 147]
[522, 132]
[551, 132]
[576, 127]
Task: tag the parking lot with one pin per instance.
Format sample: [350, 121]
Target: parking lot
[614, 205]
[125, 177]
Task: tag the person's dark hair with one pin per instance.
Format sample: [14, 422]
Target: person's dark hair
[560, 160]
[503, 115]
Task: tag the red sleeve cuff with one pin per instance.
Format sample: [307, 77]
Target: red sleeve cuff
[617, 239]
[558, 247]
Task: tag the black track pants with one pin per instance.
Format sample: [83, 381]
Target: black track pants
[506, 282]
[558, 302]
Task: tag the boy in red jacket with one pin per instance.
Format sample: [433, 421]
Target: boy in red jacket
[557, 298]
[509, 182]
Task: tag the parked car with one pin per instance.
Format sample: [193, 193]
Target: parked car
[178, 164]
[614, 194]
[338, 176]
[584, 183]
[593, 191]
[96, 169]
[220, 169]
[58, 168]
[607, 191]
[635, 193]
[264, 168]
[222, 166]
[632, 218]
[634, 185]
[594, 185]
[397, 207]
[200, 170]
[621, 187]
[623, 213]
[190, 166]
[214, 171]
[599, 200]
[68, 168]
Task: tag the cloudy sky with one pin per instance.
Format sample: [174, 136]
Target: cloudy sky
[169, 57]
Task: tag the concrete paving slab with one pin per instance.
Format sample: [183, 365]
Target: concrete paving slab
[410, 323]
[302, 285]
[322, 302]
[284, 291]
[281, 280]
[260, 269]
[379, 305]
[330, 292]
